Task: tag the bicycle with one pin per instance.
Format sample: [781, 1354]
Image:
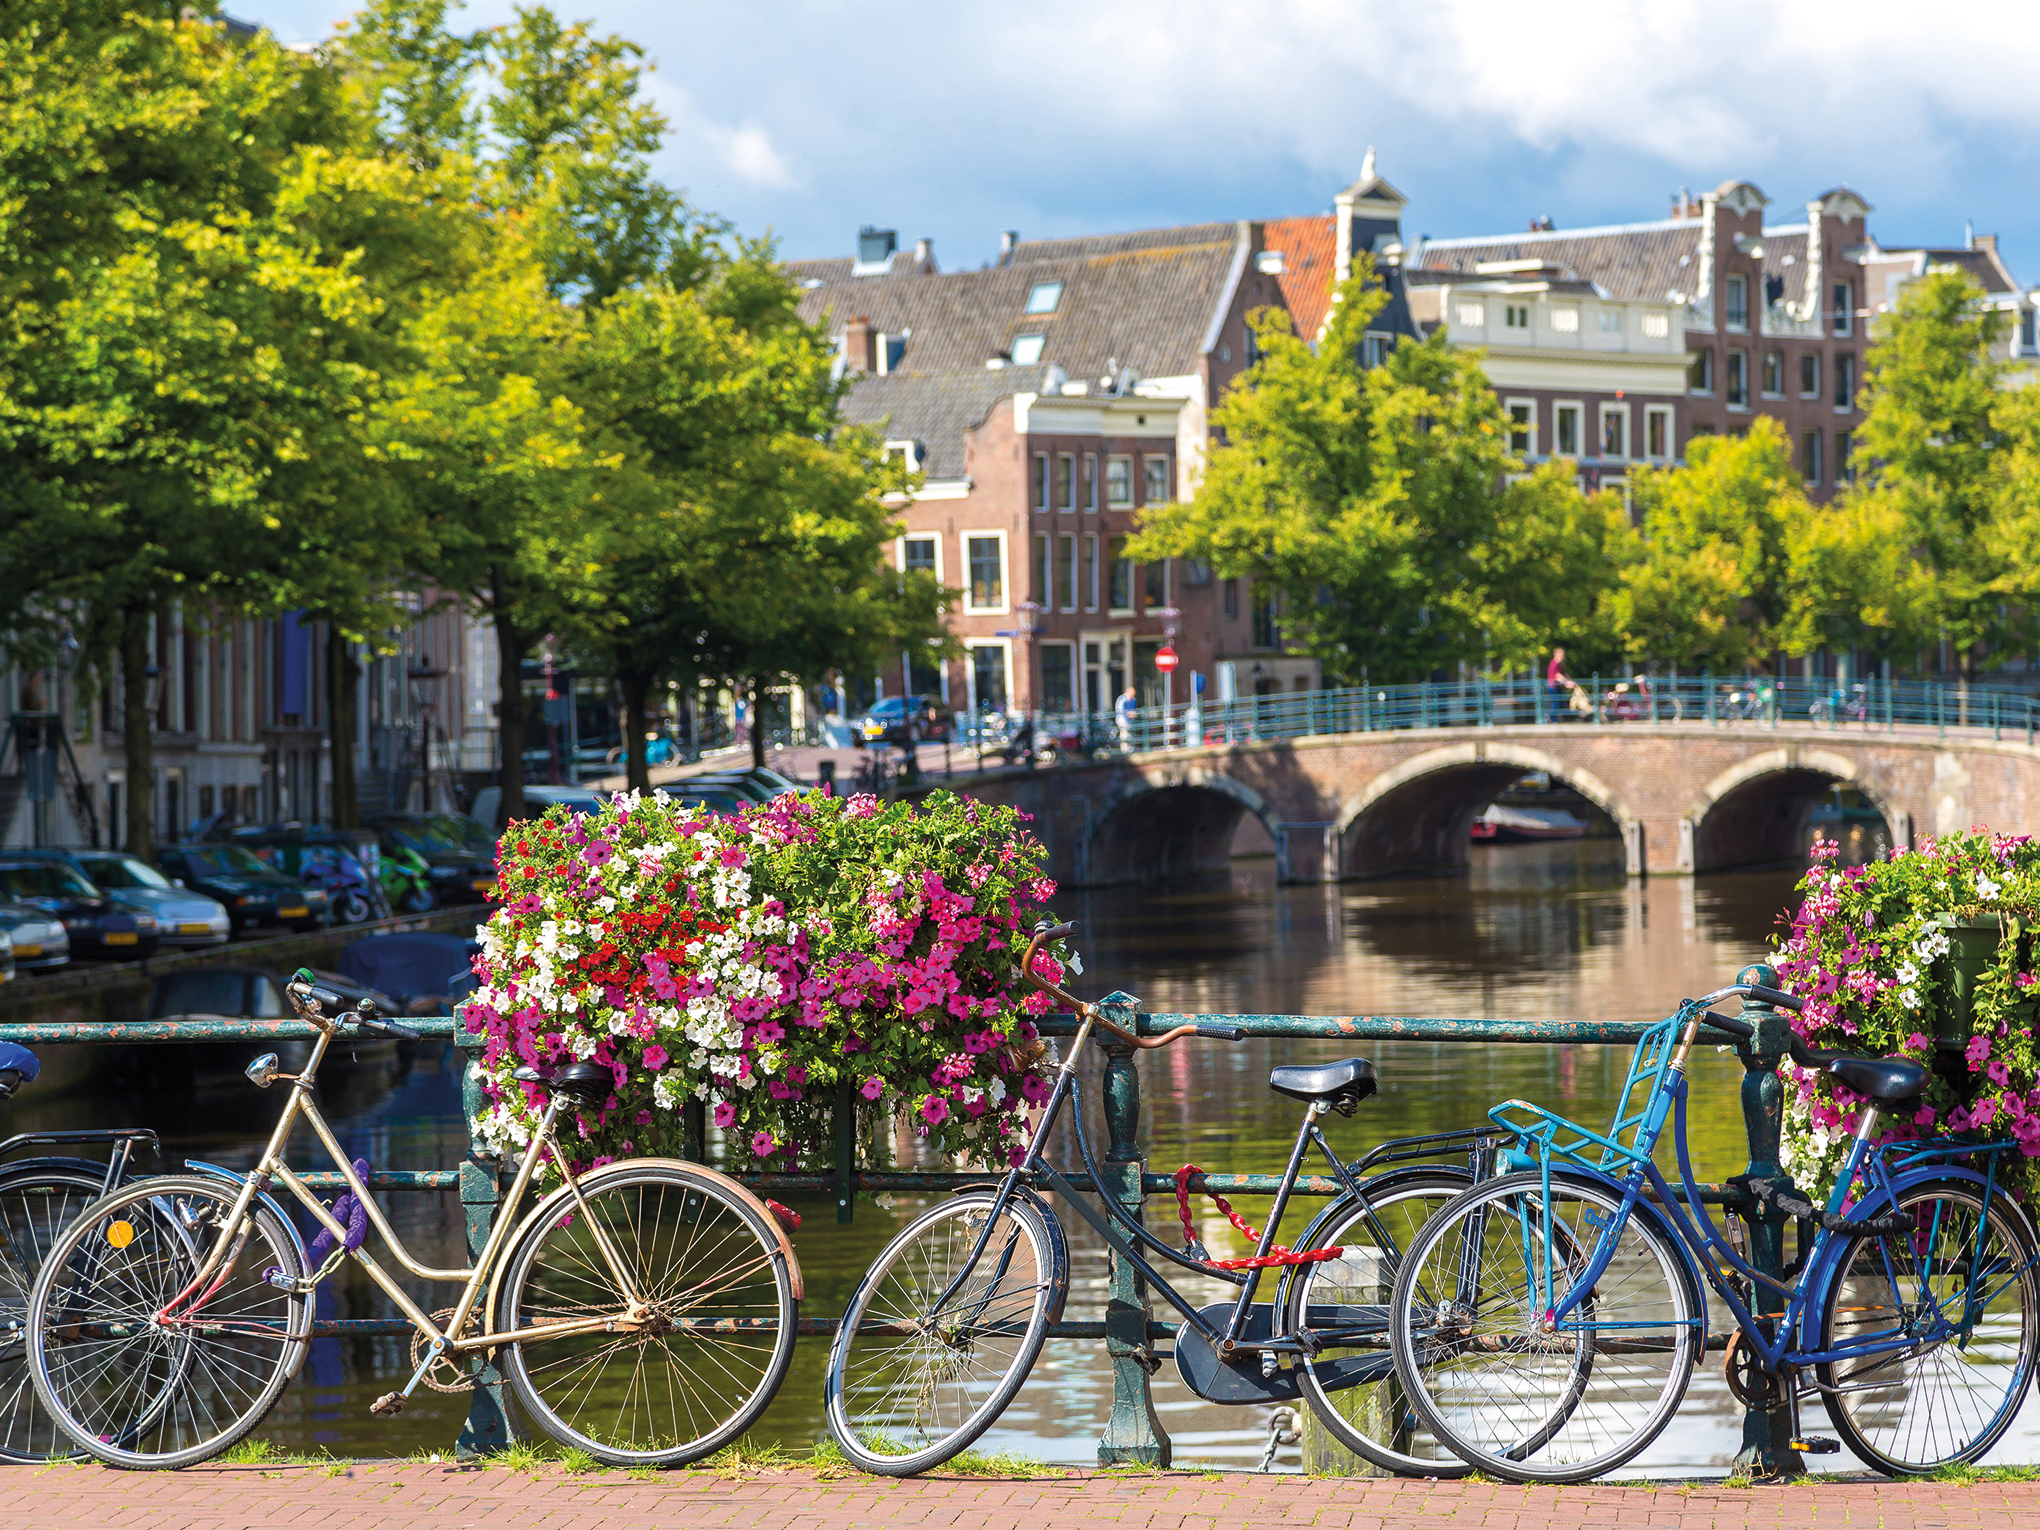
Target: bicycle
[644, 1311]
[1749, 703]
[946, 1324]
[1546, 1323]
[1852, 705]
[39, 1198]
[1643, 704]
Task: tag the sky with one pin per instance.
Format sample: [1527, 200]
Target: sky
[954, 121]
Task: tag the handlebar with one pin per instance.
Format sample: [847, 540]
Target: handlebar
[1730, 1024]
[313, 1003]
[1090, 1011]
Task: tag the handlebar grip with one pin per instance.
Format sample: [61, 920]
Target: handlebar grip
[1053, 931]
[1221, 1033]
[1729, 1023]
[381, 1027]
[1774, 997]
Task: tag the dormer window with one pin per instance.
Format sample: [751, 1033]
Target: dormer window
[1044, 298]
[1027, 350]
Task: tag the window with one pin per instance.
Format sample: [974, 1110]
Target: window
[1118, 575]
[1614, 431]
[1565, 321]
[1522, 428]
[1119, 483]
[1657, 433]
[1473, 316]
[1267, 631]
[1041, 480]
[1809, 375]
[1066, 484]
[1566, 419]
[1845, 449]
[1044, 571]
[1774, 374]
[985, 556]
[988, 675]
[1044, 297]
[1374, 349]
[1737, 294]
[1090, 575]
[1232, 600]
[1844, 303]
[1058, 677]
[1027, 350]
[1845, 381]
[1610, 320]
[1702, 372]
[1656, 326]
[1809, 458]
[1156, 595]
[2026, 346]
[1090, 481]
[1066, 569]
[1738, 379]
[1196, 572]
[1157, 485]
[917, 555]
[1516, 315]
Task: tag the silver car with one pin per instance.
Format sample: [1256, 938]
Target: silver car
[39, 940]
[183, 917]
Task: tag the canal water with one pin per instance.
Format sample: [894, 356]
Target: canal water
[1534, 932]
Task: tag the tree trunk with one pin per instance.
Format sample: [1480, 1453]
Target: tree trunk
[511, 646]
[637, 692]
[343, 683]
[758, 723]
[136, 729]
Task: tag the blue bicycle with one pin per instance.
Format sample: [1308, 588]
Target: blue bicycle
[1545, 1323]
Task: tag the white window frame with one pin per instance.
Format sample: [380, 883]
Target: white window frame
[1818, 374]
[1089, 489]
[1040, 481]
[1578, 410]
[1066, 555]
[1110, 502]
[1070, 507]
[1093, 552]
[1762, 391]
[1042, 552]
[1516, 316]
[1670, 418]
[1735, 284]
[1728, 378]
[1469, 315]
[1005, 647]
[1105, 578]
[1005, 605]
[1620, 411]
[1168, 462]
[1509, 404]
[1040, 343]
[900, 549]
[1565, 319]
[1054, 289]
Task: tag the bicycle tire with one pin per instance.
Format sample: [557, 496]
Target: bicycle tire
[38, 1201]
[1497, 1317]
[1919, 1393]
[1347, 1411]
[864, 1408]
[149, 1397]
[668, 1222]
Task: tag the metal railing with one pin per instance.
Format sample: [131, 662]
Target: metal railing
[1134, 1434]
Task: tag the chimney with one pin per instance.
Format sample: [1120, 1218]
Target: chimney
[1985, 242]
[924, 251]
[1008, 241]
[858, 351]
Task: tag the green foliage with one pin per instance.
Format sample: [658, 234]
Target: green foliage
[1853, 582]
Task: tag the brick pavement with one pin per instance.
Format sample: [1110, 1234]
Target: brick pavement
[399, 1496]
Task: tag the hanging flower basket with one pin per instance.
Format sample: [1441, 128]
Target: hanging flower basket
[1926, 954]
[769, 964]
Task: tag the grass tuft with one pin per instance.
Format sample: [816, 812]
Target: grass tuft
[252, 1452]
[1962, 1473]
[2012, 1474]
[576, 1461]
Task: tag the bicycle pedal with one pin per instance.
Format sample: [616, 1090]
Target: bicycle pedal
[1816, 1445]
[389, 1405]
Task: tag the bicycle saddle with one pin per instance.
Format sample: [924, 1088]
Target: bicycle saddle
[18, 1066]
[590, 1083]
[1887, 1080]
[1344, 1083]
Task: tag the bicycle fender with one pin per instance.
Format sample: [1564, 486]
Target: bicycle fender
[1058, 1244]
[27, 1168]
[203, 1170]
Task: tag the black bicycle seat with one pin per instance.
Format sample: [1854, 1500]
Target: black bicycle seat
[1345, 1083]
[1887, 1080]
[590, 1083]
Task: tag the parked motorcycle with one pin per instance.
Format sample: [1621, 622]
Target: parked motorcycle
[351, 894]
[406, 881]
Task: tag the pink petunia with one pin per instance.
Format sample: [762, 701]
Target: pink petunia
[725, 1115]
[872, 1088]
[934, 1110]
[655, 1057]
[762, 1144]
[599, 853]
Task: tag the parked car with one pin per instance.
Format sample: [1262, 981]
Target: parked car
[183, 917]
[577, 799]
[457, 871]
[36, 941]
[256, 895]
[95, 925]
[887, 723]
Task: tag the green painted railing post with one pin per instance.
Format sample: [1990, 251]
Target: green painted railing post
[488, 1429]
[1134, 1435]
[1707, 692]
[1767, 1433]
[846, 1147]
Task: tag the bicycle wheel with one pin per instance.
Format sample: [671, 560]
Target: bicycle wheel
[689, 1371]
[37, 1202]
[1510, 1395]
[910, 1386]
[1909, 1411]
[137, 1390]
[1345, 1302]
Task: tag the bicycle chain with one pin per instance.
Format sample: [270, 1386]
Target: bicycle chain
[449, 1362]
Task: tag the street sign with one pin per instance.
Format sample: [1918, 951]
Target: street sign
[1165, 660]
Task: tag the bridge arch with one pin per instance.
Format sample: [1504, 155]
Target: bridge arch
[1174, 823]
[1743, 815]
[1418, 815]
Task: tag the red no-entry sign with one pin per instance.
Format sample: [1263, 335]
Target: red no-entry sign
[1165, 660]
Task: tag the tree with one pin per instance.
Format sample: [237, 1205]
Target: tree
[1852, 582]
[1934, 436]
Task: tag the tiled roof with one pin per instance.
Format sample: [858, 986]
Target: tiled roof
[1310, 258]
[1147, 241]
[936, 409]
[1636, 260]
[1989, 273]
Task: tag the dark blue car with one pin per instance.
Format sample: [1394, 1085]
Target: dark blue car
[95, 926]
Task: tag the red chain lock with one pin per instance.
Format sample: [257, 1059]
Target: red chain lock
[1275, 1256]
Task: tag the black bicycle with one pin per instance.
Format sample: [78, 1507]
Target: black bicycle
[948, 1321]
[39, 1198]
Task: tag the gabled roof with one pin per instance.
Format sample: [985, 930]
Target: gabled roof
[1632, 260]
[1310, 254]
[936, 409]
[1982, 264]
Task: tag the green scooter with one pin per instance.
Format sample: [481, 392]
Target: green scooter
[406, 881]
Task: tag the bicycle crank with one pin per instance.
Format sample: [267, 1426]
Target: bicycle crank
[444, 1373]
[1748, 1382]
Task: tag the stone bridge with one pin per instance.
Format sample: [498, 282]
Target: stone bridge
[1685, 797]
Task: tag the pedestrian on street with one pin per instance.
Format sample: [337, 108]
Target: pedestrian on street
[1558, 685]
[1125, 707]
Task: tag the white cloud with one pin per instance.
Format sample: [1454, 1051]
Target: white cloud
[749, 151]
